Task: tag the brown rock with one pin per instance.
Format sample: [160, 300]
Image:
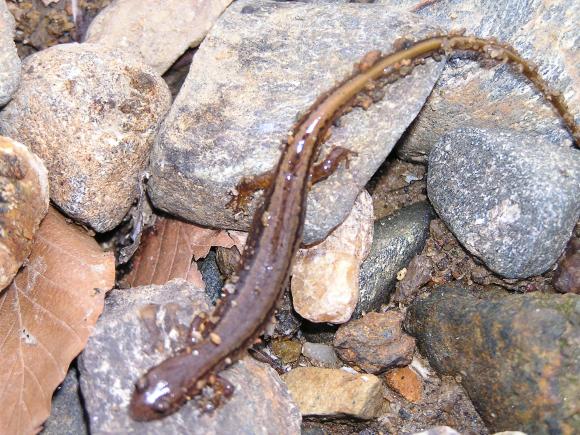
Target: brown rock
[330, 392]
[406, 382]
[325, 278]
[375, 342]
[91, 115]
[24, 200]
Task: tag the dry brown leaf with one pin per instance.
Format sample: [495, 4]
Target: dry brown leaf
[168, 251]
[46, 317]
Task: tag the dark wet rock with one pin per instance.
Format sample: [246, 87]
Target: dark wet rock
[142, 326]
[67, 413]
[9, 60]
[397, 239]
[91, 116]
[332, 392]
[287, 321]
[567, 276]
[211, 275]
[375, 342]
[518, 356]
[510, 202]
[263, 64]
[474, 95]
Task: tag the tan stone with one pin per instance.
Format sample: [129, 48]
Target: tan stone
[332, 392]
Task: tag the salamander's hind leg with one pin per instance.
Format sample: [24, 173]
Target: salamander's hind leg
[246, 188]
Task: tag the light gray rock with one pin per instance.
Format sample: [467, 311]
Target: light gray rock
[494, 96]
[9, 60]
[91, 115]
[159, 35]
[321, 355]
[139, 328]
[67, 414]
[397, 239]
[263, 64]
[511, 201]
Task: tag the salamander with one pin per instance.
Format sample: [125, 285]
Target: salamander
[276, 233]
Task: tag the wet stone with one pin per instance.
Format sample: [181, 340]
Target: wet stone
[518, 356]
[142, 326]
[510, 201]
[375, 342]
[67, 413]
[485, 95]
[397, 239]
[9, 60]
[261, 66]
[91, 116]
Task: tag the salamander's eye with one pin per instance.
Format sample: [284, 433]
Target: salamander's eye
[141, 384]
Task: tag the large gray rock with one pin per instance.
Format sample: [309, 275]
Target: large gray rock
[397, 239]
[494, 96]
[142, 326]
[9, 60]
[262, 65]
[518, 356]
[511, 201]
[91, 115]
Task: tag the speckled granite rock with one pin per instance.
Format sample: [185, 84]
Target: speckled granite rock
[138, 329]
[510, 201]
[467, 95]
[518, 355]
[67, 414]
[9, 60]
[397, 239]
[159, 35]
[262, 64]
[91, 116]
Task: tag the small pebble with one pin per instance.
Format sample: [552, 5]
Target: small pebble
[321, 355]
[405, 381]
[287, 350]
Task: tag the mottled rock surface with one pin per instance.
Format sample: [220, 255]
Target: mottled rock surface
[495, 96]
[9, 60]
[510, 201]
[397, 239]
[91, 116]
[262, 64]
[142, 326]
[325, 278]
[518, 355]
[375, 342]
[330, 392]
[67, 414]
[24, 201]
[159, 35]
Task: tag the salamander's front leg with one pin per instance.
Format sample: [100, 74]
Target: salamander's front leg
[246, 188]
[326, 167]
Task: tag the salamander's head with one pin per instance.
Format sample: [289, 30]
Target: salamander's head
[163, 389]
